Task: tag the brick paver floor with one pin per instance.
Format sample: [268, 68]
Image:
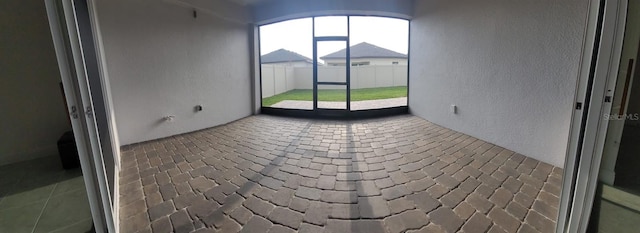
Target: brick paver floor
[274, 174]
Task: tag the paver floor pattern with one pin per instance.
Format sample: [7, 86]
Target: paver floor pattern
[275, 174]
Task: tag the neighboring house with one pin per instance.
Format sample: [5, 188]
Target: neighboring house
[364, 54]
[285, 57]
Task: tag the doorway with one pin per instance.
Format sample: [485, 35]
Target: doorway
[616, 206]
[331, 86]
[78, 52]
[593, 197]
[331, 89]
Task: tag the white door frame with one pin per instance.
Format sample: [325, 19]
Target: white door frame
[71, 62]
[599, 71]
[108, 107]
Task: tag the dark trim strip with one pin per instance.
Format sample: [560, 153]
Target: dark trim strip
[332, 83]
[336, 113]
[315, 62]
[348, 64]
[331, 38]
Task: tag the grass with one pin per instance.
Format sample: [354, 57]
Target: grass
[338, 95]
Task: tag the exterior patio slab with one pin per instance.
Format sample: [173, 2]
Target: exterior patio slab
[355, 105]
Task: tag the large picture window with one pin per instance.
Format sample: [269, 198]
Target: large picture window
[350, 63]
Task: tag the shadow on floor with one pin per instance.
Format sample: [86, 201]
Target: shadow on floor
[629, 160]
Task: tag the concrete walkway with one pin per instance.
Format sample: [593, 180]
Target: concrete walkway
[355, 105]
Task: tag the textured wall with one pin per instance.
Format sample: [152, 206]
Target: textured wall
[162, 61]
[510, 67]
[33, 113]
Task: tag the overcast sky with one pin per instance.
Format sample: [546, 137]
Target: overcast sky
[296, 35]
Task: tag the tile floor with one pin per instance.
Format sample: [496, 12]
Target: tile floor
[274, 174]
[39, 196]
[614, 211]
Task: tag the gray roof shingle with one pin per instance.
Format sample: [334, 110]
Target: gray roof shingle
[283, 55]
[365, 50]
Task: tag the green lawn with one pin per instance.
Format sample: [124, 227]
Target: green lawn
[338, 95]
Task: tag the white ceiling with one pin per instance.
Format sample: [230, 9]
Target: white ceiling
[247, 2]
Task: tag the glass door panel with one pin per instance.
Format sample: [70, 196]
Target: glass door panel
[332, 97]
[616, 206]
[332, 61]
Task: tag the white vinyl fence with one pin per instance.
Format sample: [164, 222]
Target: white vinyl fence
[279, 79]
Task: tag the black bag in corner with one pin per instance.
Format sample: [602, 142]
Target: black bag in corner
[68, 151]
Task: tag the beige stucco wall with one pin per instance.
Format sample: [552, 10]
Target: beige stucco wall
[31, 102]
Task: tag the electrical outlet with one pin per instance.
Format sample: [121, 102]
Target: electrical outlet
[454, 109]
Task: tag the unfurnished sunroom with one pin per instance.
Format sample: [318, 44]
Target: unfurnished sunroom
[349, 116]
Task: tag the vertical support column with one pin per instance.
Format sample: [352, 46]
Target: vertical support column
[315, 64]
[255, 68]
[348, 64]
